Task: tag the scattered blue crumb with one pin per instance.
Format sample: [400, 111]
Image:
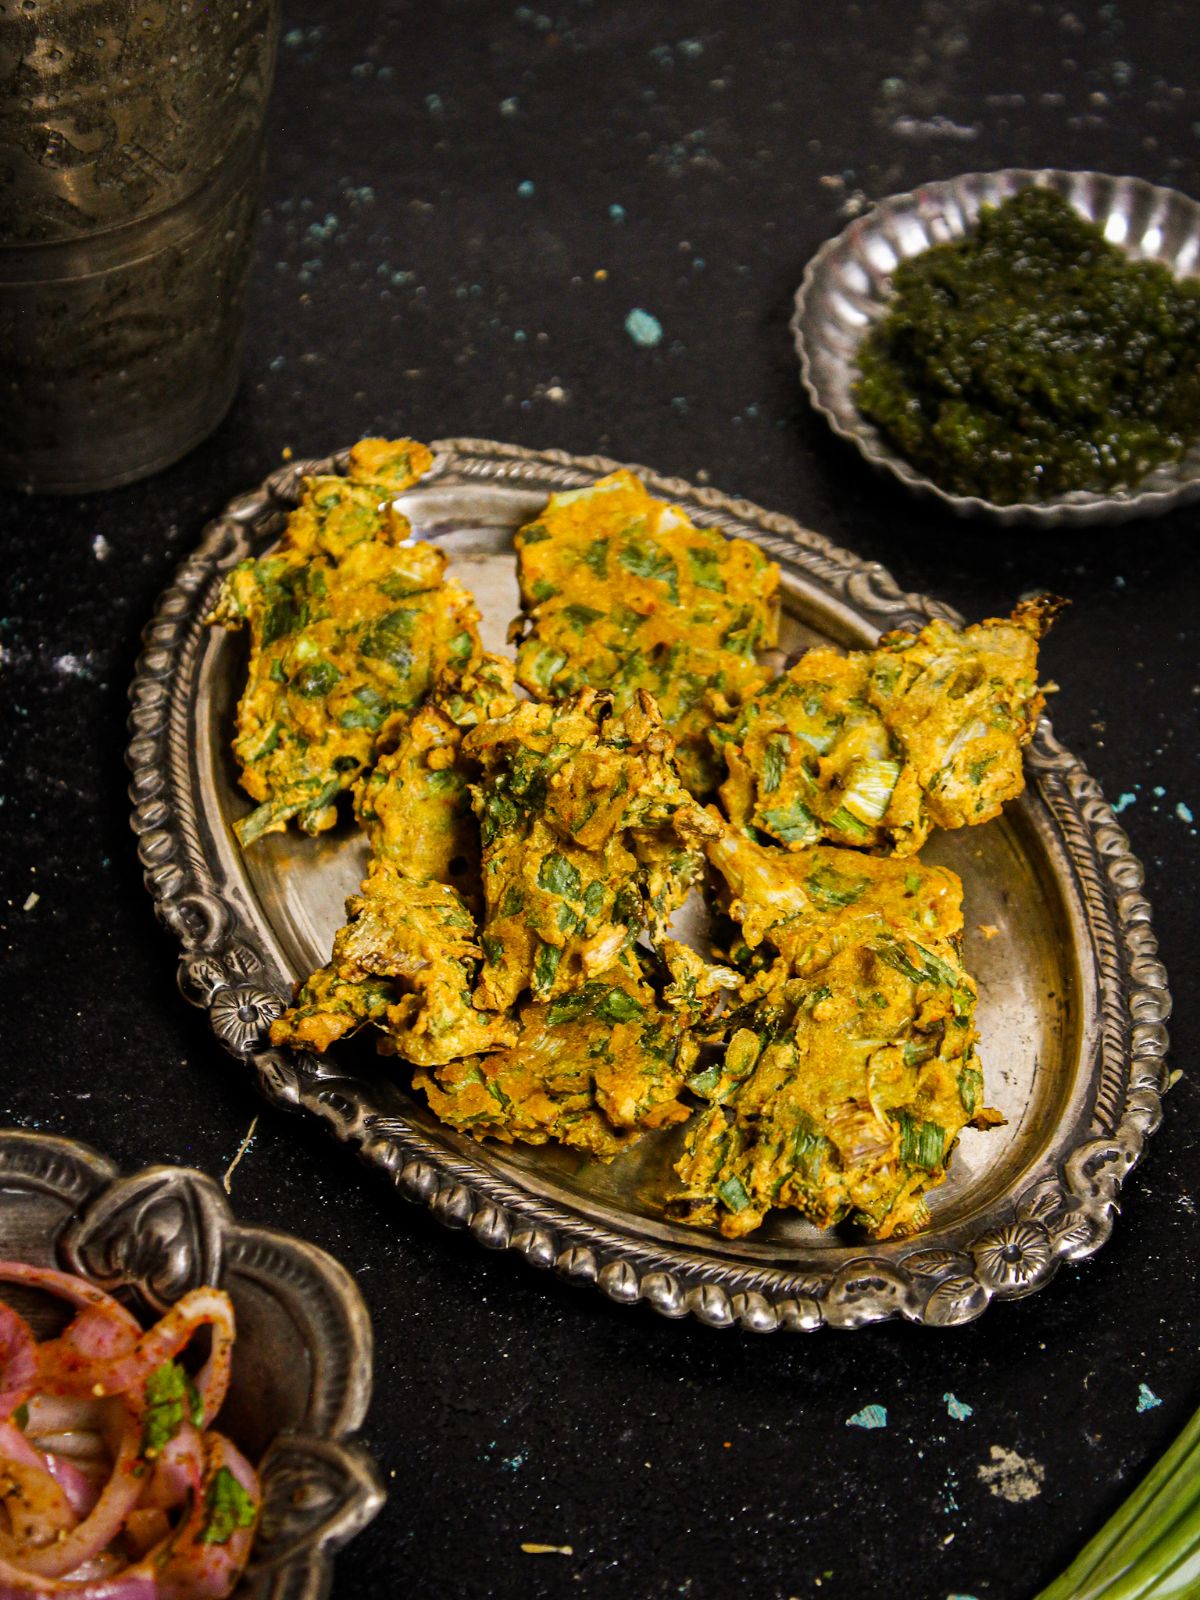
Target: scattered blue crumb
[508, 108]
[1158, 791]
[960, 1597]
[276, 363]
[519, 335]
[643, 329]
[1147, 1399]
[958, 1409]
[294, 38]
[434, 104]
[1184, 812]
[691, 48]
[616, 212]
[525, 189]
[1118, 582]
[868, 1417]
[514, 1463]
[698, 263]
[1124, 801]
[679, 404]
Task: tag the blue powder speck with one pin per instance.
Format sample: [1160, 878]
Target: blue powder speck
[433, 104]
[691, 48]
[645, 330]
[1123, 801]
[679, 403]
[1158, 791]
[1147, 1399]
[698, 263]
[519, 335]
[958, 1409]
[508, 108]
[868, 1417]
[525, 190]
[275, 363]
[1184, 812]
[294, 38]
[616, 212]
[1118, 582]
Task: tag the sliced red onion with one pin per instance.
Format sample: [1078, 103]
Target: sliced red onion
[18, 1360]
[130, 1585]
[101, 1526]
[63, 1372]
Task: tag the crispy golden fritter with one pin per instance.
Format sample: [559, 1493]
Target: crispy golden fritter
[875, 748]
[407, 959]
[415, 803]
[567, 792]
[350, 621]
[593, 1069]
[852, 1070]
[794, 910]
[623, 592]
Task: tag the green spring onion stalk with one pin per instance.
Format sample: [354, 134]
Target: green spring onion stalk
[1150, 1549]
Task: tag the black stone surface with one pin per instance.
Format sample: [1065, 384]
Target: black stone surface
[408, 279]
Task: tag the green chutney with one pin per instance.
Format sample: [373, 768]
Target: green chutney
[1032, 357]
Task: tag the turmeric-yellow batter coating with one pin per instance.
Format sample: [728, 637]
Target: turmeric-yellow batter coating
[408, 957]
[415, 803]
[852, 1069]
[593, 1069]
[623, 592]
[567, 791]
[875, 748]
[350, 621]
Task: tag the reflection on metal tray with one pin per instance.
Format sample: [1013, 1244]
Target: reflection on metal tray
[1072, 997]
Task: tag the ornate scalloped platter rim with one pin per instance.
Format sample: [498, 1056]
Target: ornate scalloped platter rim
[1059, 1196]
[846, 285]
[160, 1232]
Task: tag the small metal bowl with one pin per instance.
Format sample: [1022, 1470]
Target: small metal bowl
[847, 286]
[301, 1377]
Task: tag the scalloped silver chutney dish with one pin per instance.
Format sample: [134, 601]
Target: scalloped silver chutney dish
[301, 1374]
[1072, 1003]
[848, 284]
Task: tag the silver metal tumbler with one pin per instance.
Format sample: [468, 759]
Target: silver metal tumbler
[130, 156]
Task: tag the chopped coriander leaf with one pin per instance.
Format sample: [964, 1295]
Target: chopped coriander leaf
[227, 1507]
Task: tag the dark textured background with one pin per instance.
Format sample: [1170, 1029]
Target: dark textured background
[407, 281]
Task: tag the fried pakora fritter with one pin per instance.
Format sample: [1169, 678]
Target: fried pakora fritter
[875, 748]
[568, 791]
[408, 957]
[794, 910]
[853, 1070]
[415, 803]
[593, 1069]
[623, 592]
[406, 962]
[350, 621]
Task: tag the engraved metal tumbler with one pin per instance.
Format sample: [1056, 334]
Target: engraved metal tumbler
[130, 154]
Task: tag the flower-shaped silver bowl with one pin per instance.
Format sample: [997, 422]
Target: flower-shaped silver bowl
[301, 1377]
[848, 283]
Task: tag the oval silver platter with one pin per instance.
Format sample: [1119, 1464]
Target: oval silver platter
[1073, 999]
[301, 1377]
[848, 283]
